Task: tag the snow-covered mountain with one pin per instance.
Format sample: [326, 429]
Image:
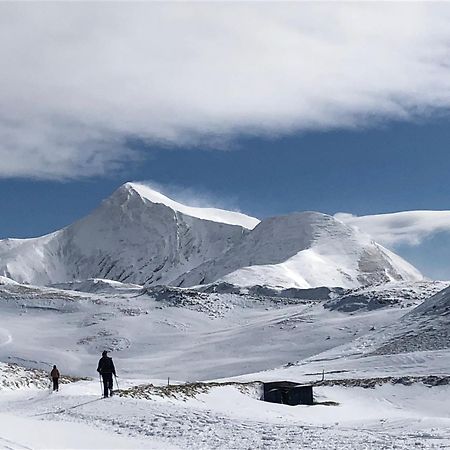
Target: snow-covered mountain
[141, 236]
[421, 237]
[137, 235]
[304, 250]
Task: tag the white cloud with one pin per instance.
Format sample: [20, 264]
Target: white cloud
[78, 79]
[402, 228]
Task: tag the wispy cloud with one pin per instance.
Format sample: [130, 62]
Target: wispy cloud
[402, 228]
[78, 79]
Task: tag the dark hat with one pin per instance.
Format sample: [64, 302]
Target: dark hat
[104, 353]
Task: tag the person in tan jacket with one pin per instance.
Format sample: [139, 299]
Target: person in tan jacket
[54, 375]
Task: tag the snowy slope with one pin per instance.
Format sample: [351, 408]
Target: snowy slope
[304, 250]
[438, 304]
[426, 328]
[191, 335]
[98, 285]
[414, 344]
[137, 235]
[5, 280]
[400, 294]
[185, 334]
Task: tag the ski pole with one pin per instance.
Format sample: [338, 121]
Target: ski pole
[100, 379]
[117, 384]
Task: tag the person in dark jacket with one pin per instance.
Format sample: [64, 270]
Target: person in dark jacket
[54, 375]
[106, 369]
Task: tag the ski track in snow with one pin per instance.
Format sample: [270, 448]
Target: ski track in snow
[193, 424]
[12, 445]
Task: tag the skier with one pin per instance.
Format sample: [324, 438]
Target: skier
[54, 375]
[106, 369]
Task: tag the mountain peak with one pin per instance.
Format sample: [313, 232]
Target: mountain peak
[212, 214]
[303, 250]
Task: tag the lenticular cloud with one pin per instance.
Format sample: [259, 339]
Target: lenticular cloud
[407, 227]
[78, 80]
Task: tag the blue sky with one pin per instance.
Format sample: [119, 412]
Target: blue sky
[396, 167]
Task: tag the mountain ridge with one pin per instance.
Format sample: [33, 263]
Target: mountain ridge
[205, 213]
[310, 243]
[140, 236]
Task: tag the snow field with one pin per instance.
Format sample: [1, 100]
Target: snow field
[202, 337]
[189, 336]
[397, 417]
